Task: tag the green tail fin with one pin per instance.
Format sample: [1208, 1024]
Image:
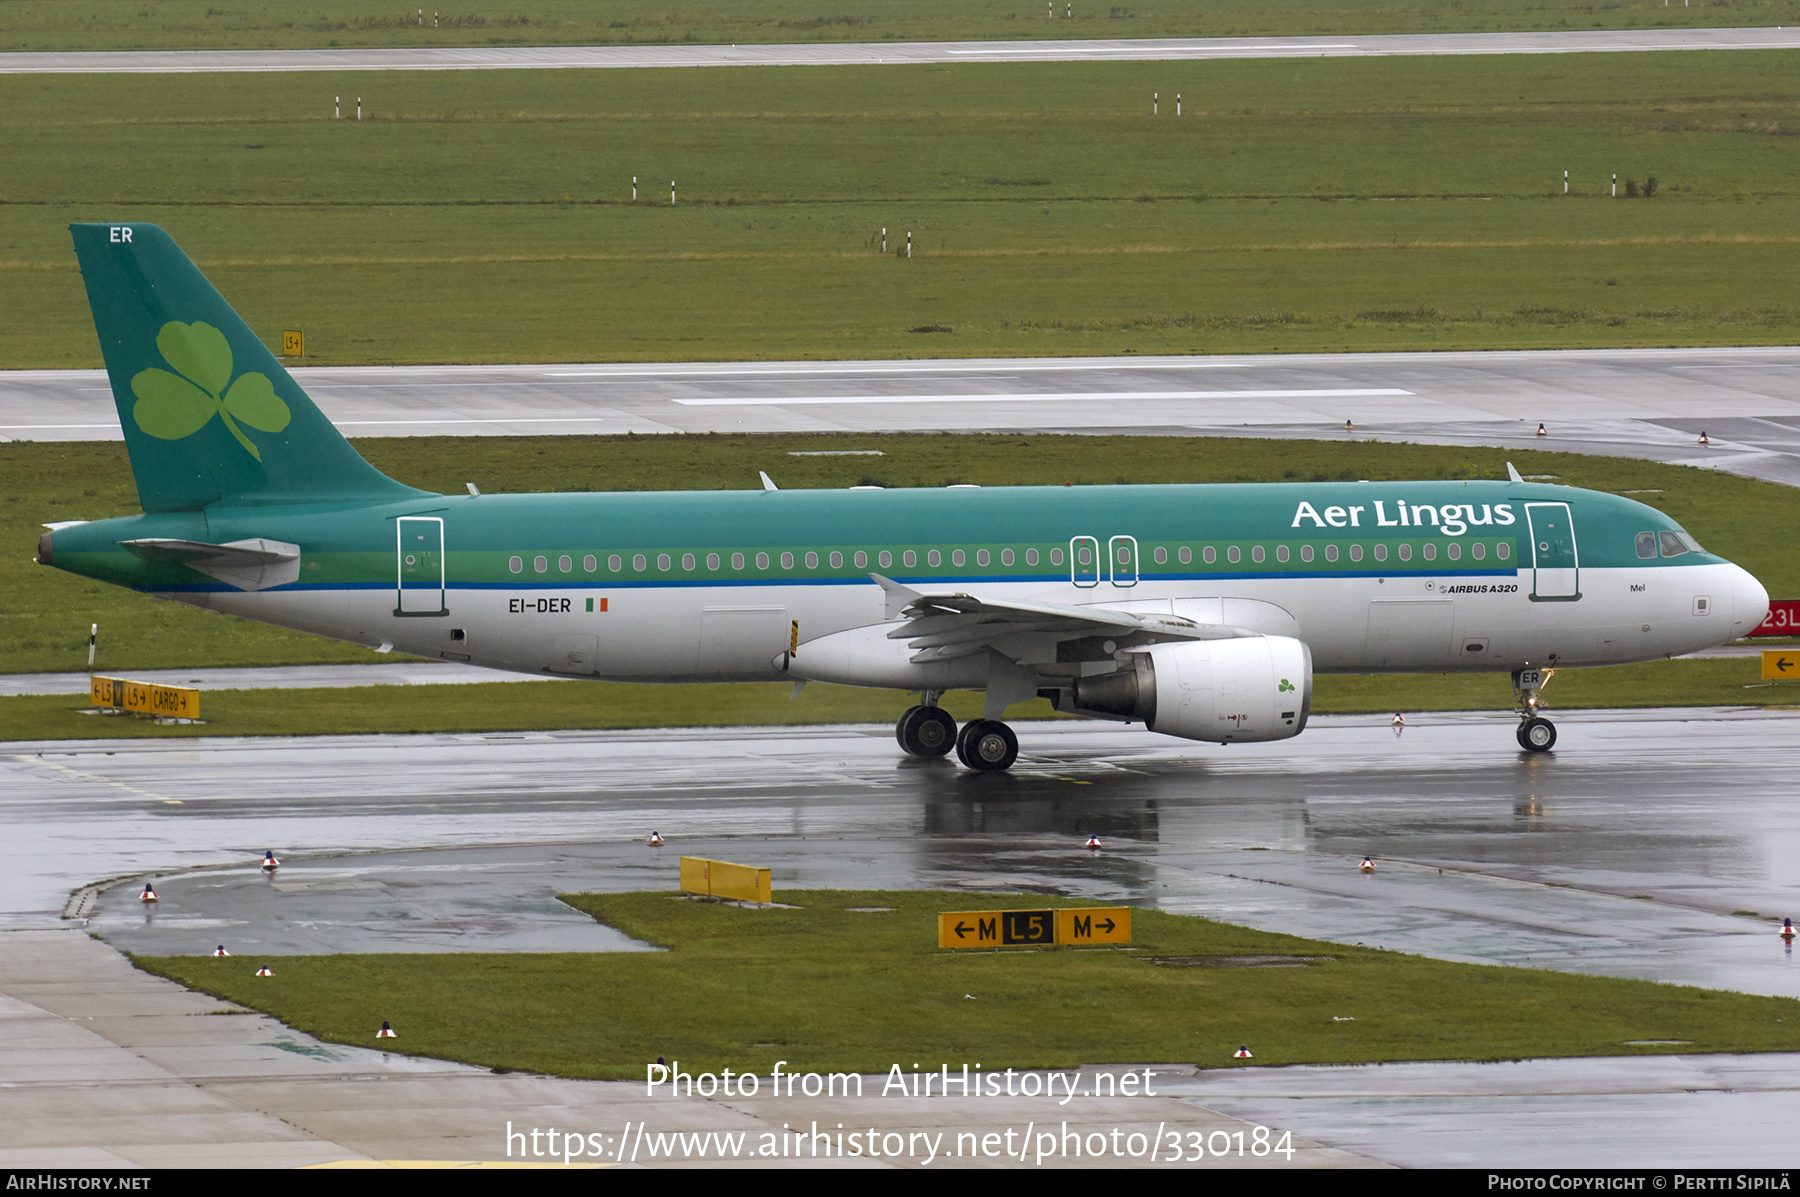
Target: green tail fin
[209, 414]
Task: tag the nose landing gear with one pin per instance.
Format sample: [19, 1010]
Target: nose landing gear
[1536, 733]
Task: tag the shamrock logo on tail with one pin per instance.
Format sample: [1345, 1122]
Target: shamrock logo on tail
[173, 406]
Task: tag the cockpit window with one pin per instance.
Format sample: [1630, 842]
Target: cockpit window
[1646, 545]
[1672, 544]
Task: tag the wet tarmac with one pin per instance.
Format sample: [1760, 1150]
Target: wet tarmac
[1635, 849]
[1707, 1111]
[410, 672]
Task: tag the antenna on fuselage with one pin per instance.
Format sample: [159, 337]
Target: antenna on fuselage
[1512, 473]
[768, 482]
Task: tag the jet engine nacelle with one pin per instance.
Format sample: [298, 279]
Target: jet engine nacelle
[1240, 690]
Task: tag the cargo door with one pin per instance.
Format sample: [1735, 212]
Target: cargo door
[1410, 632]
[742, 640]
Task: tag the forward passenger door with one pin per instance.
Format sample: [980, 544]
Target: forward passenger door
[1556, 563]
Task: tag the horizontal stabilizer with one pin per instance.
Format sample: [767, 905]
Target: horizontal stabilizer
[246, 564]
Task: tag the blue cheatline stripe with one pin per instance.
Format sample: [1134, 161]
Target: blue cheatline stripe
[914, 583]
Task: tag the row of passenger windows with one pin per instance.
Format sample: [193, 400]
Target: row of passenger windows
[1084, 556]
[1233, 555]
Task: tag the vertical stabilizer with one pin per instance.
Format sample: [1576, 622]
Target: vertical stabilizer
[209, 414]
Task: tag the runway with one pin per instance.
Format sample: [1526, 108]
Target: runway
[1626, 852]
[491, 58]
[1650, 403]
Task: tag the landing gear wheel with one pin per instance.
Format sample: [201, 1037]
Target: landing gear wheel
[1537, 735]
[925, 731]
[987, 745]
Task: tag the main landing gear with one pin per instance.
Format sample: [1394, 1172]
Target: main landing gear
[925, 731]
[1536, 733]
[985, 745]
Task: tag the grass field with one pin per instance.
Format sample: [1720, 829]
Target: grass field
[46, 612]
[204, 24]
[512, 706]
[828, 988]
[1295, 205]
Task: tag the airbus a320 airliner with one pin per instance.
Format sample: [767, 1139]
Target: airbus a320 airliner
[1200, 611]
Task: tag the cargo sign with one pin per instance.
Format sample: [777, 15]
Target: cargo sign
[1033, 928]
[1783, 620]
[1781, 664]
[144, 698]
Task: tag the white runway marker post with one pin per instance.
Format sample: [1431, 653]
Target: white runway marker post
[1177, 103]
[337, 108]
[93, 634]
[1615, 185]
[1565, 182]
[634, 189]
[909, 243]
[884, 241]
[358, 107]
[671, 193]
[1155, 99]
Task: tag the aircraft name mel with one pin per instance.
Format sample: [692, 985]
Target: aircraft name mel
[1452, 519]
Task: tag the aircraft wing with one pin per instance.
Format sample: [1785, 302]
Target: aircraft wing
[941, 627]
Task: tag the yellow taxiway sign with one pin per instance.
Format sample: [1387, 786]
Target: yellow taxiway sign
[1028, 928]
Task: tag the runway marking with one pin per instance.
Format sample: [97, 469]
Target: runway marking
[1292, 48]
[1081, 396]
[493, 420]
[1011, 368]
[107, 781]
[445, 58]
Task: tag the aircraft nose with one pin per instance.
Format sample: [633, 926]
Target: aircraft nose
[1749, 602]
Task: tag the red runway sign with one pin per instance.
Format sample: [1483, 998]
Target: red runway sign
[1784, 619]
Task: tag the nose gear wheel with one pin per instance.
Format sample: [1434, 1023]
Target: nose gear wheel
[1537, 734]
